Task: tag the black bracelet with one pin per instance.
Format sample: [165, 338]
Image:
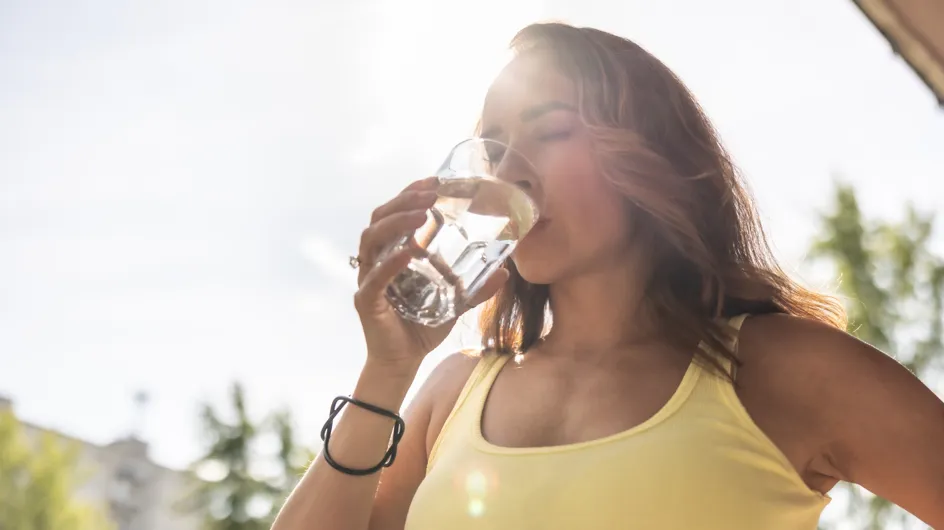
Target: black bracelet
[398, 428]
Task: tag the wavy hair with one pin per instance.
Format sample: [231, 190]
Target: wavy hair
[687, 201]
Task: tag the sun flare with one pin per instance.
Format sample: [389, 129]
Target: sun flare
[430, 66]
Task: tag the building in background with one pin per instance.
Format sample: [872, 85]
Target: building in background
[139, 494]
[915, 30]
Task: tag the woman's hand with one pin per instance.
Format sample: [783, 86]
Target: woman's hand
[391, 340]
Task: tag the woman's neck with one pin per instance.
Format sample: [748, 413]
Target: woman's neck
[599, 311]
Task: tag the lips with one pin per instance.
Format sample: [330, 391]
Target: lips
[542, 222]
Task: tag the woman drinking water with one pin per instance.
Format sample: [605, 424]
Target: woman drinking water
[645, 363]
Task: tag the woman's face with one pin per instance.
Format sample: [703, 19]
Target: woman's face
[584, 225]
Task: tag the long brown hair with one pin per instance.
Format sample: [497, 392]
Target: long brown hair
[657, 148]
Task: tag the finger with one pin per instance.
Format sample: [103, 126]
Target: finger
[428, 183]
[384, 232]
[370, 297]
[408, 200]
[491, 287]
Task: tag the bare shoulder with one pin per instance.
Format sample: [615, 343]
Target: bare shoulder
[810, 367]
[442, 388]
[768, 333]
[811, 357]
[453, 369]
[845, 410]
[789, 340]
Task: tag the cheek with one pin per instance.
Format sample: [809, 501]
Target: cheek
[595, 218]
[589, 222]
[586, 204]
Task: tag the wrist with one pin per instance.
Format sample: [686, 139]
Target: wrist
[384, 384]
[392, 369]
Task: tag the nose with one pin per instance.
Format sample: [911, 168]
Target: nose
[515, 168]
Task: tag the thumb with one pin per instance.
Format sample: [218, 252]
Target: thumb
[491, 287]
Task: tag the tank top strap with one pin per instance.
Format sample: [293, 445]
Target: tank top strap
[480, 382]
[734, 323]
[471, 399]
[738, 321]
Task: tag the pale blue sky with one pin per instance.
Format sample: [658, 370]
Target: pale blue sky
[180, 185]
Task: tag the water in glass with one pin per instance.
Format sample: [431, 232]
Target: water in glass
[473, 227]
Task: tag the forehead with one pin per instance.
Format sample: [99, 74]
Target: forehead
[528, 80]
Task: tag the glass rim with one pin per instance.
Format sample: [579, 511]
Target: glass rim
[483, 140]
[468, 173]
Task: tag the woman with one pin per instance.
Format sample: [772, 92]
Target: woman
[685, 381]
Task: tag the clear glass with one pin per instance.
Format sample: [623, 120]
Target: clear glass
[474, 226]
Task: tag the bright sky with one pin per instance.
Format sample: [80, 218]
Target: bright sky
[180, 187]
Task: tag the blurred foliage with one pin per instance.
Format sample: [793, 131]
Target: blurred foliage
[894, 287]
[293, 458]
[251, 485]
[38, 481]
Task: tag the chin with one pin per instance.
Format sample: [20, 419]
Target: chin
[535, 266]
[541, 256]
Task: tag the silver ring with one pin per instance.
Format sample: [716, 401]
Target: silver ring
[354, 262]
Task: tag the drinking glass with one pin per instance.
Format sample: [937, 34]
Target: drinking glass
[473, 227]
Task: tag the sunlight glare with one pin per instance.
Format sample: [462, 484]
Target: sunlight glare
[476, 486]
[430, 70]
[476, 507]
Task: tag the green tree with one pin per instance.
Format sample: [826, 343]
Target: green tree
[894, 287]
[239, 500]
[249, 484]
[38, 481]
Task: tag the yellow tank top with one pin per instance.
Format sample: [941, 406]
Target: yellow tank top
[698, 463]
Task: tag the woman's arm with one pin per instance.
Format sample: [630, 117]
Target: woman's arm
[871, 421]
[428, 411]
[328, 499]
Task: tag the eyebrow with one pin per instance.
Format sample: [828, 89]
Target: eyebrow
[535, 112]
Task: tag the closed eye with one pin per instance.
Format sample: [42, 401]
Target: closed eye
[559, 135]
